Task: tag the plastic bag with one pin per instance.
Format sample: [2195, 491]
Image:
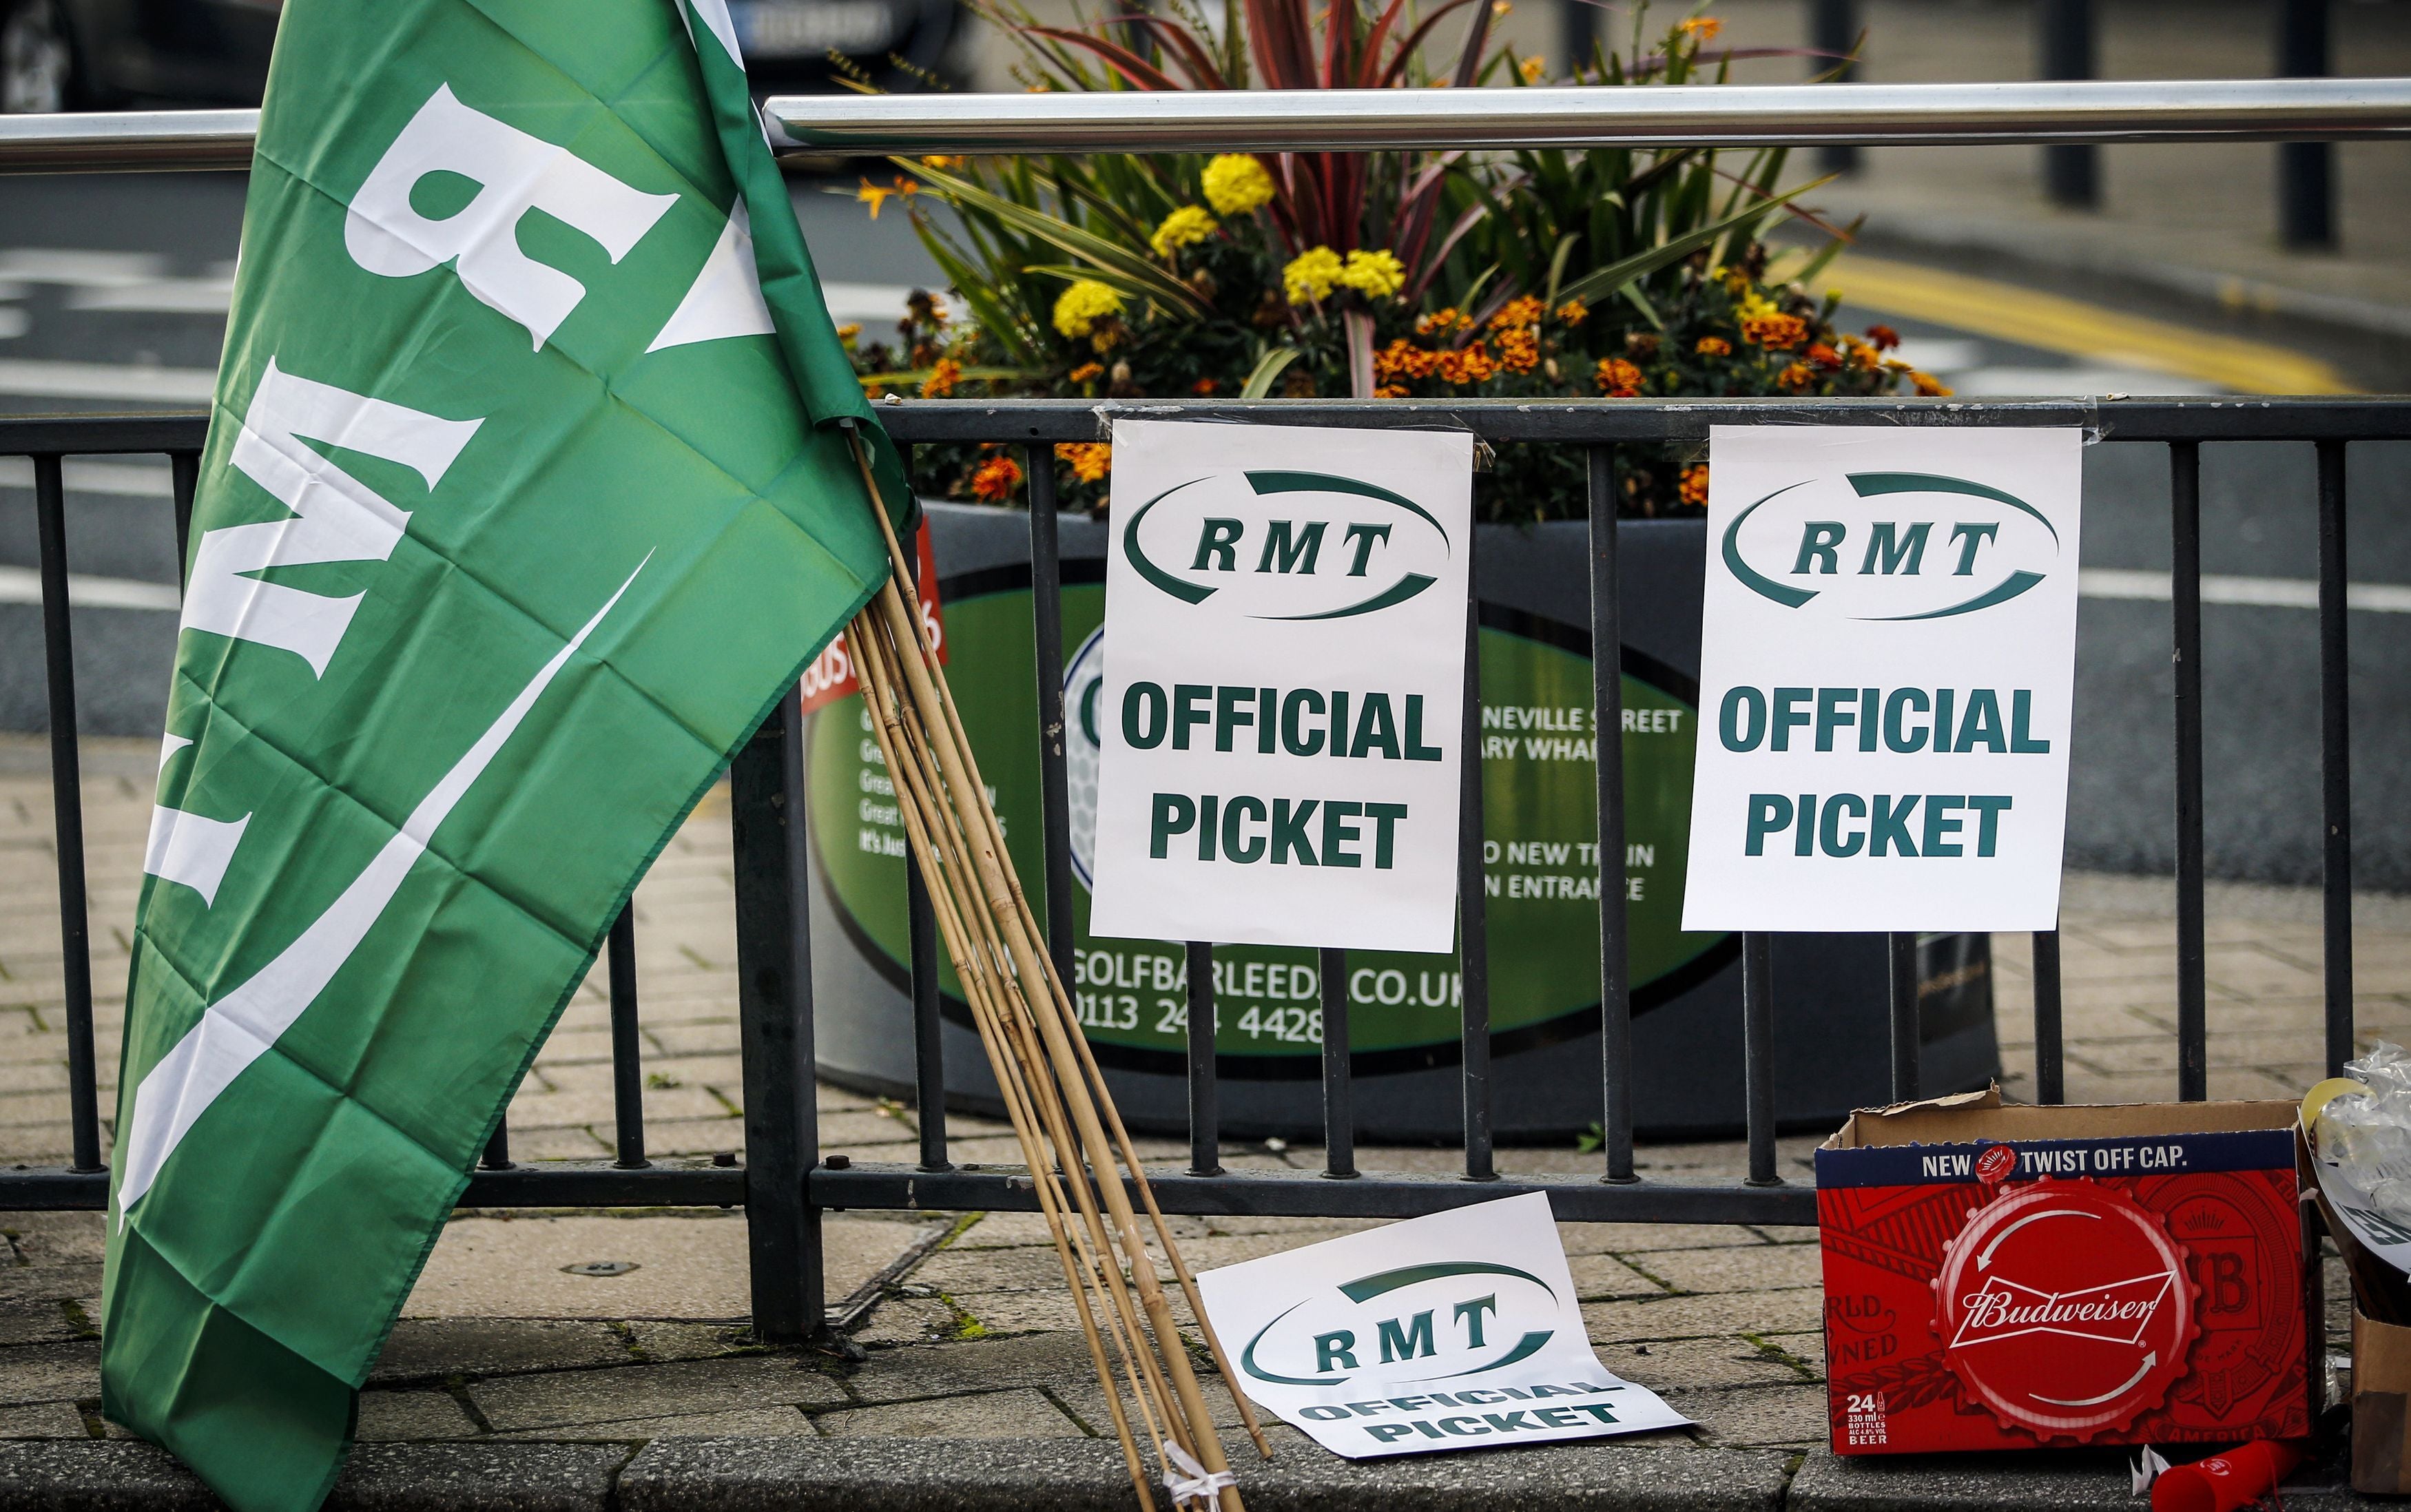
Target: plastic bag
[2368, 1133]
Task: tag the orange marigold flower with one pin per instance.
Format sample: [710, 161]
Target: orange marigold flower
[1470, 364]
[1884, 337]
[1701, 28]
[1776, 333]
[1694, 490]
[1798, 377]
[1929, 386]
[1825, 357]
[1441, 320]
[1619, 379]
[996, 479]
[1519, 352]
[1089, 460]
[1087, 372]
[943, 376]
[1527, 310]
[1203, 387]
[1391, 391]
[1713, 346]
[1573, 311]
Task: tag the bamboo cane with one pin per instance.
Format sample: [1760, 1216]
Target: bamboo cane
[1073, 1140]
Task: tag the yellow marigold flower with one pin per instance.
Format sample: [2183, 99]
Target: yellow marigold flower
[1752, 305]
[1694, 490]
[1312, 275]
[1085, 303]
[939, 160]
[1573, 311]
[1929, 386]
[1378, 274]
[1532, 68]
[846, 333]
[1618, 378]
[1713, 346]
[1236, 184]
[1701, 28]
[943, 376]
[1089, 460]
[872, 194]
[1087, 372]
[1184, 227]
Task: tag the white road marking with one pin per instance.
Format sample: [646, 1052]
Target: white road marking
[2254, 592]
[132, 480]
[80, 269]
[38, 379]
[164, 296]
[23, 584]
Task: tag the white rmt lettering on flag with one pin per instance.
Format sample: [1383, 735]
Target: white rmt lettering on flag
[514, 173]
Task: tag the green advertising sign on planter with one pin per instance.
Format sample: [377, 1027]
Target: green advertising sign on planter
[1540, 823]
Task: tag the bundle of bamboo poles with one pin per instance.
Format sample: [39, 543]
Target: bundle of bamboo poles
[1071, 1139]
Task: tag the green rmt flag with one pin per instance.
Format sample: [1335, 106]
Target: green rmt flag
[528, 493]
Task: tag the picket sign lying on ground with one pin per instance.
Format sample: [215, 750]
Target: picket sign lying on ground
[1283, 702]
[1453, 1331]
[1887, 664]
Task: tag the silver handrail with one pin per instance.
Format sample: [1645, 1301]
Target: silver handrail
[1702, 115]
[1738, 115]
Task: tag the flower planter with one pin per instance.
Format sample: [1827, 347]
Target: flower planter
[1404, 1015]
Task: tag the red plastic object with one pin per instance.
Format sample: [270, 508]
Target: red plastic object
[2226, 1482]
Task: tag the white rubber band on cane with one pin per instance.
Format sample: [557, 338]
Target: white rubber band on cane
[1188, 1481]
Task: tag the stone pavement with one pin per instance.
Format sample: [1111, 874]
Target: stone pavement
[514, 1377]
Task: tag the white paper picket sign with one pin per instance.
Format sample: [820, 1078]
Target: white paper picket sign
[1886, 667]
[1454, 1332]
[1281, 716]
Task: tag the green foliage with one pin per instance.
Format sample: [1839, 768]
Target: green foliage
[1544, 273]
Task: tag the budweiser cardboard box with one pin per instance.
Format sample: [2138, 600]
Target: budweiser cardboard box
[2006, 1277]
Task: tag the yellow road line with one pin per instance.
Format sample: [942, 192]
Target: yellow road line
[2054, 323]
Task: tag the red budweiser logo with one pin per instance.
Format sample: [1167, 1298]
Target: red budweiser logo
[2116, 1312]
[2064, 1308]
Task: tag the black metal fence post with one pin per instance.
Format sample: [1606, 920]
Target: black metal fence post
[2335, 756]
[1607, 730]
[66, 810]
[1834, 44]
[2306, 196]
[774, 999]
[2065, 49]
[2185, 534]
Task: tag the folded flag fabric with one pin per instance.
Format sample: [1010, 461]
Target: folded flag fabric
[530, 489]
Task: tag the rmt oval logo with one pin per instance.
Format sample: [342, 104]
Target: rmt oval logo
[1891, 547]
[1285, 545]
[1416, 1325]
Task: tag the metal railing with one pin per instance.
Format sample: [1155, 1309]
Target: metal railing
[784, 1184]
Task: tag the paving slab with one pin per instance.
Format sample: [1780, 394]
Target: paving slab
[50, 1372]
[432, 1348]
[405, 1416]
[1022, 1412]
[46, 1419]
[2045, 1480]
[748, 1422]
[567, 1398]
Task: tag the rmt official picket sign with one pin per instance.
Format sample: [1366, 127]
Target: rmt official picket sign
[1285, 701]
[1886, 671]
[2011, 1277]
